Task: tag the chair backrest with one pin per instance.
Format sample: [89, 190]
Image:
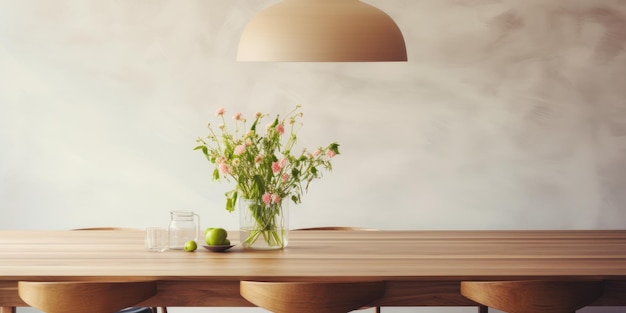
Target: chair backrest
[533, 296]
[153, 309]
[342, 228]
[80, 296]
[104, 228]
[309, 297]
[335, 228]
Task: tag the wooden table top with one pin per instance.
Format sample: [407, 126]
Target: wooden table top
[403, 258]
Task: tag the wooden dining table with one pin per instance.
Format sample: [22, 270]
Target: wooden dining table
[420, 268]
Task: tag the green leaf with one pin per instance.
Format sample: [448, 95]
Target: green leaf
[334, 147]
[216, 174]
[253, 127]
[231, 200]
[230, 205]
[260, 184]
[295, 173]
[295, 198]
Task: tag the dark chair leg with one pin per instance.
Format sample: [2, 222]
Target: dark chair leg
[483, 309]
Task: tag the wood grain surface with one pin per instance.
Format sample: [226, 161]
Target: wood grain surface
[419, 267]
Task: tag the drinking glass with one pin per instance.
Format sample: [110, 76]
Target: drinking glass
[156, 239]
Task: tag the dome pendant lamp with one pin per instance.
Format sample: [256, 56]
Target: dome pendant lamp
[321, 31]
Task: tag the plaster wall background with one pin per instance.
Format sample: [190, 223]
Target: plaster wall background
[508, 115]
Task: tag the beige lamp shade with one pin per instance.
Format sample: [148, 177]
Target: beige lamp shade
[322, 31]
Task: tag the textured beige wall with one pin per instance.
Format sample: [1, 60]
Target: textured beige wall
[509, 114]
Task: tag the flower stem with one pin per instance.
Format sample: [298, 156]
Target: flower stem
[267, 224]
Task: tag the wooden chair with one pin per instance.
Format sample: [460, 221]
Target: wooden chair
[105, 228]
[80, 297]
[153, 309]
[533, 296]
[310, 297]
[377, 309]
[342, 228]
[336, 228]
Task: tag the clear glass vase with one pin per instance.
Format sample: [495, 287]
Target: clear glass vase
[263, 226]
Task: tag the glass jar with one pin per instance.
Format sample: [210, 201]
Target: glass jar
[263, 226]
[184, 226]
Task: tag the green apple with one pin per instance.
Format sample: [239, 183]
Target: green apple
[207, 230]
[191, 246]
[216, 237]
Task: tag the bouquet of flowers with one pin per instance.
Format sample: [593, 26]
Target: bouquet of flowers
[263, 166]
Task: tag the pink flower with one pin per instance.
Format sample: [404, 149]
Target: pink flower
[224, 168]
[317, 152]
[219, 112]
[285, 177]
[258, 159]
[280, 128]
[276, 198]
[240, 149]
[276, 167]
[330, 153]
[283, 162]
[267, 198]
[237, 116]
